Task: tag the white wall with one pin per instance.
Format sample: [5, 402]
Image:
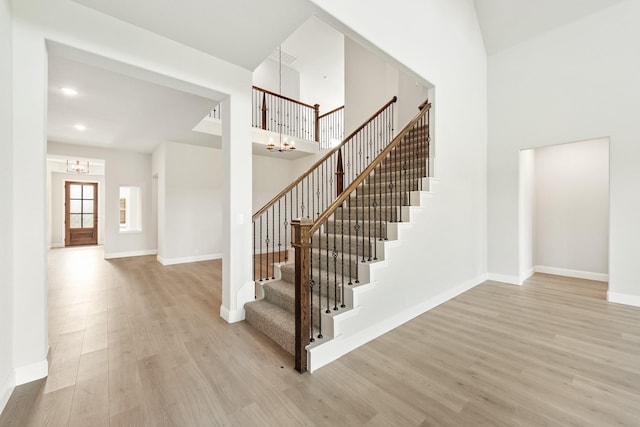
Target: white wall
[122, 168]
[372, 82]
[527, 212]
[267, 76]
[411, 93]
[572, 208]
[575, 83]
[6, 214]
[192, 193]
[270, 176]
[440, 41]
[56, 205]
[158, 170]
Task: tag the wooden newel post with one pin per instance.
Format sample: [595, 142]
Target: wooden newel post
[316, 110]
[301, 228]
[264, 110]
[339, 174]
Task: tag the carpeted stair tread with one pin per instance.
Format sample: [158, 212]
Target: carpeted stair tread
[273, 321]
[391, 199]
[281, 293]
[356, 244]
[320, 277]
[357, 229]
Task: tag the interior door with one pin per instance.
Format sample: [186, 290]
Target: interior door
[81, 213]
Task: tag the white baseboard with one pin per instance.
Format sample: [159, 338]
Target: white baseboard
[627, 299]
[341, 345]
[184, 260]
[6, 388]
[32, 372]
[511, 280]
[56, 245]
[600, 277]
[524, 276]
[113, 255]
[231, 316]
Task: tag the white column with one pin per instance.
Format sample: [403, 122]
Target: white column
[237, 261]
[29, 203]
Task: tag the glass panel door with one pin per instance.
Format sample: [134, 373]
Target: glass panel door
[81, 213]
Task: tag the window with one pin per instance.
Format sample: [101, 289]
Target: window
[123, 211]
[130, 210]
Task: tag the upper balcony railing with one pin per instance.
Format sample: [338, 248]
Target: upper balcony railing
[280, 114]
[331, 128]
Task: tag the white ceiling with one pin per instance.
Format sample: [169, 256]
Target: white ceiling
[505, 23]
[120, 112]
[319, 52]
[242, 32]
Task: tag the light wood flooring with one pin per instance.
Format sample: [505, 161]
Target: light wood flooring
[137, 344]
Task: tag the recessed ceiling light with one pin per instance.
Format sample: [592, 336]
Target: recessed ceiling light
[80, 127]
[69, 91]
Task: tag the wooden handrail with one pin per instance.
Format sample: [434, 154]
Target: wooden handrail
[331, 112]
[283, 97]
[367, 171]
[319, 162]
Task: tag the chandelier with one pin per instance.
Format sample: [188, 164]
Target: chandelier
[77, 167]
[284, 143]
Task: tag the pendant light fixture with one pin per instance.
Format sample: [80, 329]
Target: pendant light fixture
[284, 143]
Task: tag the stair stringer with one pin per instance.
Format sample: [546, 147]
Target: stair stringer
[396, 291]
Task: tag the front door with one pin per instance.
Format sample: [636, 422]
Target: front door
[81, 213]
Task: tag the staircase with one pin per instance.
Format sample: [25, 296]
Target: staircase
[348, 239]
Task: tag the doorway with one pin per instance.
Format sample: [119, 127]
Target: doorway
[564, 210]
[81, 213]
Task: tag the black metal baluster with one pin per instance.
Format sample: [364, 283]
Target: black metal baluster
[401, 195]
[357, 229]
[319, 287]
[405, 194]
[273, 244]
[322, 181]
[312, 206]
[342, 254]
[318, 192]
[254, 251]
[260, 255]
[286, 247]
[375, 216]
[309, 210]
[371, 201]
[350, 253]
[302, 198]
[327, 256]
[335, 263]
[311, 285]
[394, 172]
[364, 223]
[267, 244]
[279, 235]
